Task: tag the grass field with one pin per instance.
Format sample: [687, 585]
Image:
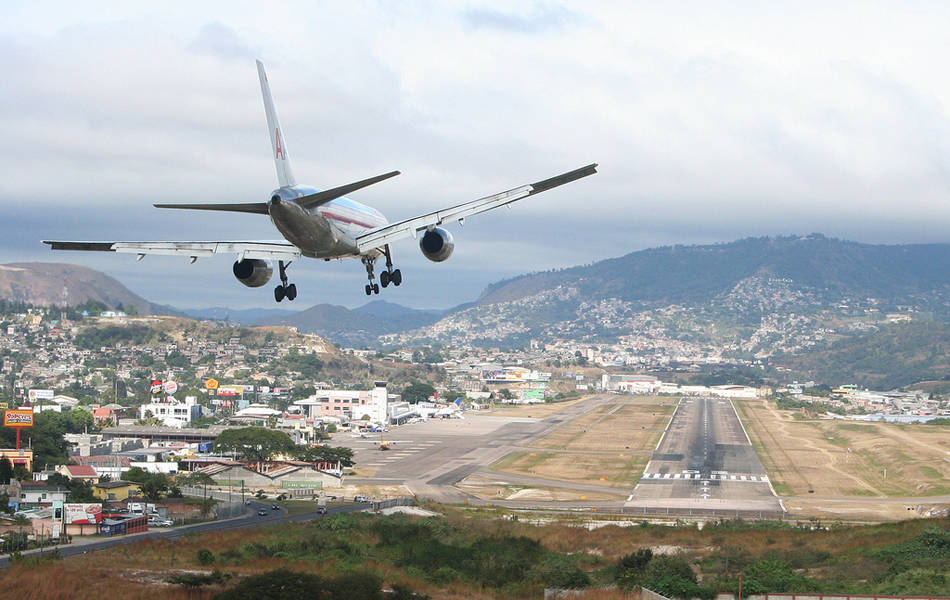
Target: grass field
[834, 458]
[607, 446]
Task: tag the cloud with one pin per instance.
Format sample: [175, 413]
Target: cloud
[217, 39]
[542, 18]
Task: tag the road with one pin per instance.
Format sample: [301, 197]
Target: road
[252, 519]
[705, 461]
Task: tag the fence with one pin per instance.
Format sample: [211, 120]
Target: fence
[658, 511]
[220, 495]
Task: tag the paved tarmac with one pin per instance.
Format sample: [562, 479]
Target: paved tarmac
[705, 461]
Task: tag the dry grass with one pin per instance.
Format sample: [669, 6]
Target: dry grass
[837, 458]
[620, 470]
[608, 446]
[629, 423]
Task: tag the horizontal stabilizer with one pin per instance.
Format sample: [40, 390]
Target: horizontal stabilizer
[257, 208]
[315, 200]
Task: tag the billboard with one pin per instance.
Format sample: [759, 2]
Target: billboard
[18, 417]
[83, 514]
[155, 387]
[211, 384]
[35, 395]
[170, 388]
[230, 390]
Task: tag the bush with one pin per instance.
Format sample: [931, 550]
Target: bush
[205, 557]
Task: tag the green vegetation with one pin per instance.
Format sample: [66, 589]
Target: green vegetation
[254, 443]
[93, 338]
[417, 392]
[893, 356]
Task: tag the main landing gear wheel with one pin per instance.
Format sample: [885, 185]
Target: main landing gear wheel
[384, 279]
[284, 290]
[395, 277]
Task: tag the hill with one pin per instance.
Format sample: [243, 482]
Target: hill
[755, 298]
[358, 327]
[894, 356]
[41, 284]
[827, 268]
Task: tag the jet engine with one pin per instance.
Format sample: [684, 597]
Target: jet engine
[437, 244]
[253, 272]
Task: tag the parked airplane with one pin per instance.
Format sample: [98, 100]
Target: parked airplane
[323, 224]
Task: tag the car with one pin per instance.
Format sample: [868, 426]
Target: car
[321, 510]
[262, 513]
[247, 502]
[274, 507]
[360, 499]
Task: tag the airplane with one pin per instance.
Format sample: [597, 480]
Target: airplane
[323, 224]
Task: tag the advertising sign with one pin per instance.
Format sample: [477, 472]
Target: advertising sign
[18, 417]
[211, 384]
[83, 514]
[170, 388]
[230, 390]
[35, 395]
[156, 386]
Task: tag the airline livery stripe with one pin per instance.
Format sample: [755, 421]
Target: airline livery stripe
[346, 220]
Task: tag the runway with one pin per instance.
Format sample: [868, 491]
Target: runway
[704, 461]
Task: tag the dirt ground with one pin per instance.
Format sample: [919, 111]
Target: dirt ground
[838, 458]
[608, 446]
[488, 489]
[857, 510]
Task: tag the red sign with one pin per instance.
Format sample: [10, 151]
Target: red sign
[156, 386]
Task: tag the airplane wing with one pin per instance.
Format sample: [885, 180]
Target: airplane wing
[266, 250]
[386, 234]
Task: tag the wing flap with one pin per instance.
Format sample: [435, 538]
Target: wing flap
[266, 250]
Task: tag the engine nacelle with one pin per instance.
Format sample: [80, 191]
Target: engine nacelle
[437, 244]
[253, 272]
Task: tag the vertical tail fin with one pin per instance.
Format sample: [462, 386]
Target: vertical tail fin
[285, 176]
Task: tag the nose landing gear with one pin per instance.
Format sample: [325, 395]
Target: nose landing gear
[284, 290]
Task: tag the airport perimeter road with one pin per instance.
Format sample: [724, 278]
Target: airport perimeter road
[430, 457]
[86, 545]
[705, 461]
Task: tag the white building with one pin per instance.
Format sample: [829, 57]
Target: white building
[171, 412]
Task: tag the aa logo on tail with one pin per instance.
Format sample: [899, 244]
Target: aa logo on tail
[279, 151]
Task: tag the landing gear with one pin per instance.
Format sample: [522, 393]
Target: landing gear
[284, 290]
[390, 275]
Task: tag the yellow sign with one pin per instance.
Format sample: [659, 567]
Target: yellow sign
[4, 405]
[211, 384]
[18, 418]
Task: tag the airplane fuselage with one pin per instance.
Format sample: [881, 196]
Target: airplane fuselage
[327, 231]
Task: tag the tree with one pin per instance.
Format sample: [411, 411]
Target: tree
[154, 485]
[6, 470]
[417, 392]
[136, 475]
[326, 453]
[255, 444]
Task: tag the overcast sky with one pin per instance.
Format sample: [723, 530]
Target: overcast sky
[710, 121]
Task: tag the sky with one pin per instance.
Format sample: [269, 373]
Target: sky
[711, 121]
